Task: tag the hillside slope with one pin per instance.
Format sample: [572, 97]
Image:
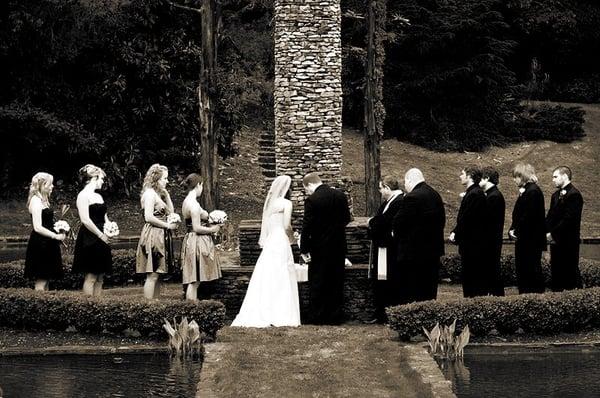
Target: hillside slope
[442, 169]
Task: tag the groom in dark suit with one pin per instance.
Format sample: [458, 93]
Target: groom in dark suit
[418, 229]
[323, 240]
[563, 224]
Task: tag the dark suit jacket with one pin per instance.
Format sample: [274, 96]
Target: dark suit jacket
[380, 226]
[470, 222]
[564, 216]
[380, 233]
[418, 225]
[496, 207]
[528, 218]
[326, 215]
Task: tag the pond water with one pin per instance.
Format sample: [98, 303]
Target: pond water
[534, 374]
[73, 376]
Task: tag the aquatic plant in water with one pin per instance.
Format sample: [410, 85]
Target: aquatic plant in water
[185, 339]
[444, 343]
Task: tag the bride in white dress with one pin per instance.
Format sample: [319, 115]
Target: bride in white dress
[272, 295]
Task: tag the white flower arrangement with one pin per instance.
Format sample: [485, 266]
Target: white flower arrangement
[62, 227]
[217, 217]
[462, 194]
[111, 229]
[173, 218]
[521, 191]
[297, 236]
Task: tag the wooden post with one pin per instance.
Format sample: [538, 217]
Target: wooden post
[209, 167]
[373, 107]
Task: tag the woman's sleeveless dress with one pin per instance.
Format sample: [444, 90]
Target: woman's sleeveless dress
[92, 255]
[272, 295]
[199, 260]
[155, 248]
[43, 259]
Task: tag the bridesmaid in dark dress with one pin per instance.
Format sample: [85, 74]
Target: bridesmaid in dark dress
[43, 260]
[92, 251]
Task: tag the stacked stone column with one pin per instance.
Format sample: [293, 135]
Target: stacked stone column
[308, 92]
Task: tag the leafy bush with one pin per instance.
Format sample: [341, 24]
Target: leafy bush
[451, 269]
[123, 273]
[113, 83]
[33, 310]
[553, 123]
[548, 313]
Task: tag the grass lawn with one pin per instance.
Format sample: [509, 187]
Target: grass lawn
[310, 361]
[241, 180]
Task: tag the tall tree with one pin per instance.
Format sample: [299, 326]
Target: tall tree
[373, 105]
[210, 20]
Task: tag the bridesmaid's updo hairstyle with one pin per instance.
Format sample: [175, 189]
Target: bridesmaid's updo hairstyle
[39, 181]
[89, 171]
[191, 181]
[154, 173]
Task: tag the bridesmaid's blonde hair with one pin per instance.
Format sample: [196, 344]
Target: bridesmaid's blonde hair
[153, 174]
[38, 181]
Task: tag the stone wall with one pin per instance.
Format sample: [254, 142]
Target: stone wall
[356, 236]
[308, 92]
[231, 289]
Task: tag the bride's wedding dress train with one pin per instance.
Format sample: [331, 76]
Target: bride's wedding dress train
[272, 296]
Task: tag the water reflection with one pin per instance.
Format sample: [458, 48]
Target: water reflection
[135, 375]
[534, 374]
[455, 370]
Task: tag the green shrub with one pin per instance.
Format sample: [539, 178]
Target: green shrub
[553, 123]
[123, 273]
[33, 310]
[547, 313]
[451, 269]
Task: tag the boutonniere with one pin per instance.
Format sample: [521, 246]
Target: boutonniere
[462, 194]
[563, 192]
[521, 191]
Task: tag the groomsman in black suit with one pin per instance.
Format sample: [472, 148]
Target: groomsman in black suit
[418, 229]
[494, 222]
[469, 234]
[323, 240]
[382, 268]
[528, 228]
[563, 223]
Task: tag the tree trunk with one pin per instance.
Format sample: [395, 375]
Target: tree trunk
[209, 167]
[373, 107]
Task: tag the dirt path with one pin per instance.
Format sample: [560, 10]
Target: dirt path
[313, 361]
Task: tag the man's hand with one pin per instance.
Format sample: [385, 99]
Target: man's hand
[347, 263]
[512, 235]
[549, 238]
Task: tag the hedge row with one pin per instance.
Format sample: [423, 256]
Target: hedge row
[123, 273]
[59, 310]
[548, 313]
[451, 269]
[11, 274]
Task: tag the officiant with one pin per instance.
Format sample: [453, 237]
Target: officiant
[382, 271]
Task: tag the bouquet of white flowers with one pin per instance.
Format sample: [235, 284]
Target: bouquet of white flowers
[173, 218]
[62, 227]
[111, 229]
[217, 217]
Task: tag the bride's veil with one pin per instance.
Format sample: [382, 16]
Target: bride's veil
[278, 189]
